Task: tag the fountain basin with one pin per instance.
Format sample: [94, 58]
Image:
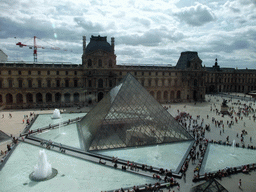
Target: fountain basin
[218, 157]
[52, 175]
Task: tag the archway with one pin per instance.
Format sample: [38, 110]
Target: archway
[48, 97]
[9, 98]
[29, 98]
[100, 96]
[19, 98]
[76, 97]
[39, 98]
[57, 97]
[67, 97]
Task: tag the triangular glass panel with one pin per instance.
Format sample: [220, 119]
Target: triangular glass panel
[218, 157]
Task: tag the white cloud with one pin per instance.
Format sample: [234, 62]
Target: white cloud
[197, 15]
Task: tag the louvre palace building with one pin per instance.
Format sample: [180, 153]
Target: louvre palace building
[26, 85]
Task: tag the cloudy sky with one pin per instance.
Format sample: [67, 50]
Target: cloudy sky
[145, 31]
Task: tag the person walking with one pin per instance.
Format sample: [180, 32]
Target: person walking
[239, 183]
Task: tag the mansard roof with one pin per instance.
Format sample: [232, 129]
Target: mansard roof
[186, 58]
[98, 43]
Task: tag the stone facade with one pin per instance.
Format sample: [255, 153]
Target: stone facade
[25, 85]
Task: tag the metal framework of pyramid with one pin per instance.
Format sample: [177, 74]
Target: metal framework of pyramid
[129, 116]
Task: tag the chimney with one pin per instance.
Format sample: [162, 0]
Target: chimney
[84, 43]
[113, 44]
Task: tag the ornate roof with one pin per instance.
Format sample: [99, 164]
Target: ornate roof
[98, 43]
[185, 59]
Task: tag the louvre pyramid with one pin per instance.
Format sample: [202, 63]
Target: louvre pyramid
[129, 116]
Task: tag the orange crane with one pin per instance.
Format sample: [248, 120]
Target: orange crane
[35, 46]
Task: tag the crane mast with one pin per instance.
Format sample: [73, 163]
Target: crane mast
[35, 50]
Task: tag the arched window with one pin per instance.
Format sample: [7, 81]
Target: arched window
[100, 63]
[100, 83]
[89, 63]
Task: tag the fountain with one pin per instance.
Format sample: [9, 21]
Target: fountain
[56, 114]
[233, 145]
[43, 170]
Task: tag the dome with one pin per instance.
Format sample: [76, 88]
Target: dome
[98, 43]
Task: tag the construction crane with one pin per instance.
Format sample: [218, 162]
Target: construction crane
[35, 46]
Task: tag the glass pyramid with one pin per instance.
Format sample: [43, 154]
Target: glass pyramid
[129, 116]
[209, 186]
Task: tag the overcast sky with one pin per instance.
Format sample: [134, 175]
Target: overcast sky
[145, 31]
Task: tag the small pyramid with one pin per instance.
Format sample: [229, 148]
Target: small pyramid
[129, 116]
[209, 186]
[4, 136]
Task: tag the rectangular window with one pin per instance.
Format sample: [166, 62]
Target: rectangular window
[39, 72]
[57, 83]
[48, 72]
[90, 83]
[48, 83]
[66, 83]
[75, 72]
[20, 83]
[9, 72]
[57, 72]
[10, 83]
[30, 83]
[66, 72]
[1, 84]
[75, 83]
[110, 83]
[39, 83]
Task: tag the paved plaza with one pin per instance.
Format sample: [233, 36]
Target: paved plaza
[13, 124]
